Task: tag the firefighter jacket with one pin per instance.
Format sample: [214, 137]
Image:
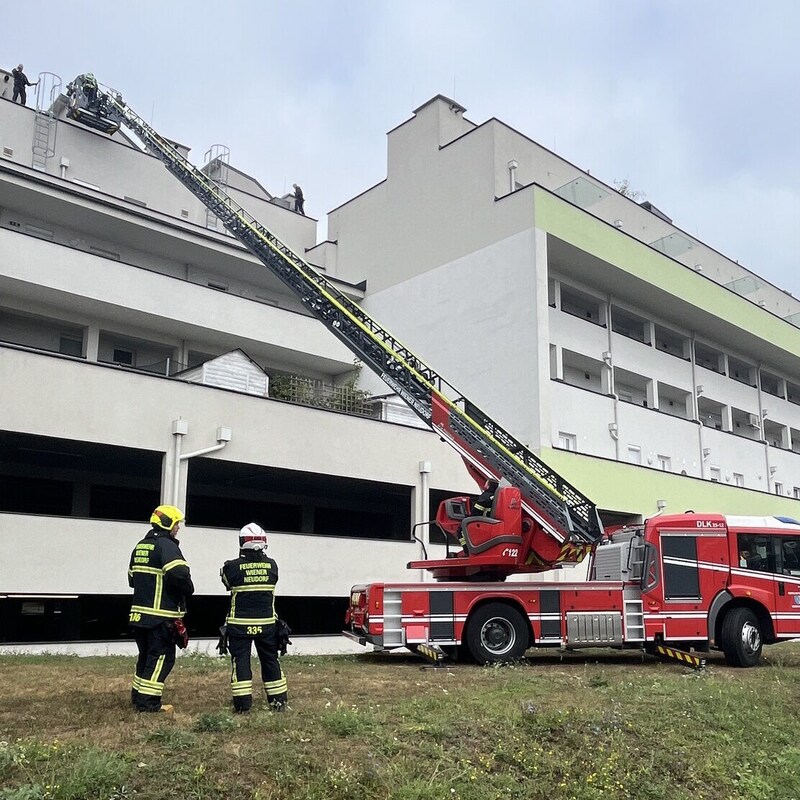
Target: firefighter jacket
[251, 579]
[160, 579]
[482, 506]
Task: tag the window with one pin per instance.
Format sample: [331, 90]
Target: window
[760, 552]
[769, 553]
[631, 387]
[738, 479]
[771, 384]
[740, 371]
[122, 356]
[670, 342]
[778, 488]
[674, 401]
[708, 357]
[581, 305]
[789, 556]
[710, 413]
[664, 463]
[634, 454]
[567, 441]
[582, 371]
[70, 346]
[681, 574]
[627, 324]
[714, 474]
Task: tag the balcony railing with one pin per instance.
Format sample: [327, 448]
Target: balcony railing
[309, 392]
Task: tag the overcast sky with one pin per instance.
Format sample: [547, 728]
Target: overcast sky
[694, 103]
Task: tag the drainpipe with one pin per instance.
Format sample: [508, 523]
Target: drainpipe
[180, 427]
[424, 509]
[223, 437]
[512, 181]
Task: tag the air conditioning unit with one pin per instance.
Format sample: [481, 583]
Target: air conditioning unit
[753, 421]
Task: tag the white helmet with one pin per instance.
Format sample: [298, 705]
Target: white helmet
[252, 537]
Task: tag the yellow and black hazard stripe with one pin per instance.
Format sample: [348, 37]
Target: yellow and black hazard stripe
[431, 652]
[570, 553]
[691, 660]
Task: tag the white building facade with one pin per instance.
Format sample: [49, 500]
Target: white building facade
[146, 357]
[638, 361]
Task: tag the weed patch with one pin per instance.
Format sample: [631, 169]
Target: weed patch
[608, 727]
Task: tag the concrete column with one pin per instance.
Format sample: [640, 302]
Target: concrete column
[92, 342]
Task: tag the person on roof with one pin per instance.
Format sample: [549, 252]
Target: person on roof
[298, 199]
[20, 82]
[251, 580]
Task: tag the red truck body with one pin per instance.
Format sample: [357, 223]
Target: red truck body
[699, 581]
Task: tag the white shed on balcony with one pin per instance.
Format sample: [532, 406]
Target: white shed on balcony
[235, 371]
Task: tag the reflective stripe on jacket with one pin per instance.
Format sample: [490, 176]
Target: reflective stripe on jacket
[160, 579]
[251, 579]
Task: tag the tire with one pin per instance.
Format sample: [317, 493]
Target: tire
[497, 632]
[741, 638]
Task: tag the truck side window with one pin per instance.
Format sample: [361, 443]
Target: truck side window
[757, 552]
[681, 572]
[790, 551]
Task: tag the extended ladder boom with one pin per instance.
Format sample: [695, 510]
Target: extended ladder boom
[561, 510]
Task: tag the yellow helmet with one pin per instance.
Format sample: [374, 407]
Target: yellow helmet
[166, 517]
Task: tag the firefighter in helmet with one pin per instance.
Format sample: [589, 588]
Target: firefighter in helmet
[481, 507]
[161, 582]
[251, 579]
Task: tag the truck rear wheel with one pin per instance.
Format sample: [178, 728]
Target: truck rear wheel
[497, 632]
[741, 638]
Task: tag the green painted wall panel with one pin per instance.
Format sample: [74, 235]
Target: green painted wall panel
[572, 225]
[616, 486]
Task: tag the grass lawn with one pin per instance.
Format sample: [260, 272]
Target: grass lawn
[595, 725]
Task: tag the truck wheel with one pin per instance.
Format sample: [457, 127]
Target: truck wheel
[497, 632]
[741, 638]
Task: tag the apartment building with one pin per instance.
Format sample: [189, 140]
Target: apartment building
[146, 356]
[649, 369]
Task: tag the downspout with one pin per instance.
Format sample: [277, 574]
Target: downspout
[424, 509]
[223, 437]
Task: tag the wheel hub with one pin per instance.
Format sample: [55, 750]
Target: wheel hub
[498, 636]
[751, 638]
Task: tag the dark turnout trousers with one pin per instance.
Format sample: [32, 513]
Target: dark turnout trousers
[240, 645]
[155, 662]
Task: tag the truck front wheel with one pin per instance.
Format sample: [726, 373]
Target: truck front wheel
[496, 632]
[741, 639]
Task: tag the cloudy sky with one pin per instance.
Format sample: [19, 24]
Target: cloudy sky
[694, 103]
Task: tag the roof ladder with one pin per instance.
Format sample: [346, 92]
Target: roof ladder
[215, 165]
[45, 120]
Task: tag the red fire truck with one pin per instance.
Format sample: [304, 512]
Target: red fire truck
[674, 583]
[696, 580]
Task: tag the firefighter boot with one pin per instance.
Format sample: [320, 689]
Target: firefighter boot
[166, 708]
[243, 703]
[278, 703]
